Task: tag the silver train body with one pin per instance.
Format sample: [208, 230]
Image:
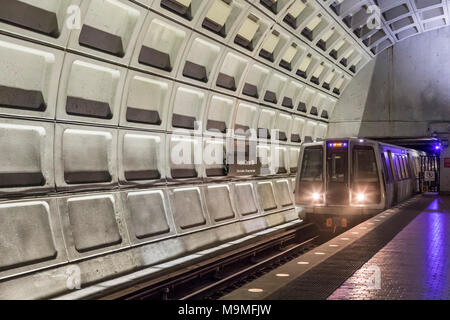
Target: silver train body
[341, 182]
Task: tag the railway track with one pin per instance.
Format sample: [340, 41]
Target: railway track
[217, 276]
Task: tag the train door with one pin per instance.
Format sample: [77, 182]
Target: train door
[337, 191]
[394, 178]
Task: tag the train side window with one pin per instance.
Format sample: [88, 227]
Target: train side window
[312, 165]
[387, 173]
[399, 167]
[406, 166]
[364, 165]
[412, 165]
[392, 165]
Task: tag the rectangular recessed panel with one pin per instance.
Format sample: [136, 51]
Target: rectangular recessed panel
[270, 97]
[245, 200]
[395, 12]
[147, 99]
[302, 107]
[264, 133]
[195, 71]
[272, 5]
[140, 156]
[86, 156]
[401, 23]
[93, 90]
[226, 82]
[88, 108]
[21, 179]
[100, 40]
[296, 138]
[281, 170]
[308, 34]
[282, 136]
[214, 27]
[421, 4]
[315, 80]
[432, 13]
[282, 189]
[287, 103]
[26, 235]
[266, 55]
[216, 172]
[248, 44]
[20, 156]
[266, 195]
[183, 173]
[178, 8]
[142, 175]
[143, 116]
[86, 177]
[290, 20]
[155, 58]
[286, 65]
[302, 74]
[434, 24]
[26, 16]
[250, 90]
[219, 195]
[216, 125]
[148, 214]
[407, 33]
[22, 99]
[187, 205]
[182, 121]
[187, 108]
[93, 222]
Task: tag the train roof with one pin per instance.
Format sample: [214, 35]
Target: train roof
[362, 140]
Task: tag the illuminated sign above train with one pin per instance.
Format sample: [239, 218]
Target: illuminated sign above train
[337, 144]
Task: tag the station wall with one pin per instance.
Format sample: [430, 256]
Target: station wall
[89, 118]
[401, 93]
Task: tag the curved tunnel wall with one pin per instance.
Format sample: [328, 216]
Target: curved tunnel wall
[88, 119]
[404, 92]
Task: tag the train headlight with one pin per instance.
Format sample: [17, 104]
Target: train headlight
[360, 197]
[316, 196]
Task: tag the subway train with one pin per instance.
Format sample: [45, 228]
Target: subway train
[342, 182]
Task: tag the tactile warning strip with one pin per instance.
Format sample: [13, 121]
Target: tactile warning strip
[320, 272]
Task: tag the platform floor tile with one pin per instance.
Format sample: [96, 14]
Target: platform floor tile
[414, 265]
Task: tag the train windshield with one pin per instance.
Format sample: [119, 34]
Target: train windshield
[312, 165]
[364, 165]
[337, 168]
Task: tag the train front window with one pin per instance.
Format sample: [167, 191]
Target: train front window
[364, 165]
[337, 168]
[312, 165]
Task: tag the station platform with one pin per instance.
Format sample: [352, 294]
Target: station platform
[400, 254]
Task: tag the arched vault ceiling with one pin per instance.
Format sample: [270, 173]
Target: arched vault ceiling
[400, 19]
[296, 56]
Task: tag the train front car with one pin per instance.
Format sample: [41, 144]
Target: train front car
[339, 183]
